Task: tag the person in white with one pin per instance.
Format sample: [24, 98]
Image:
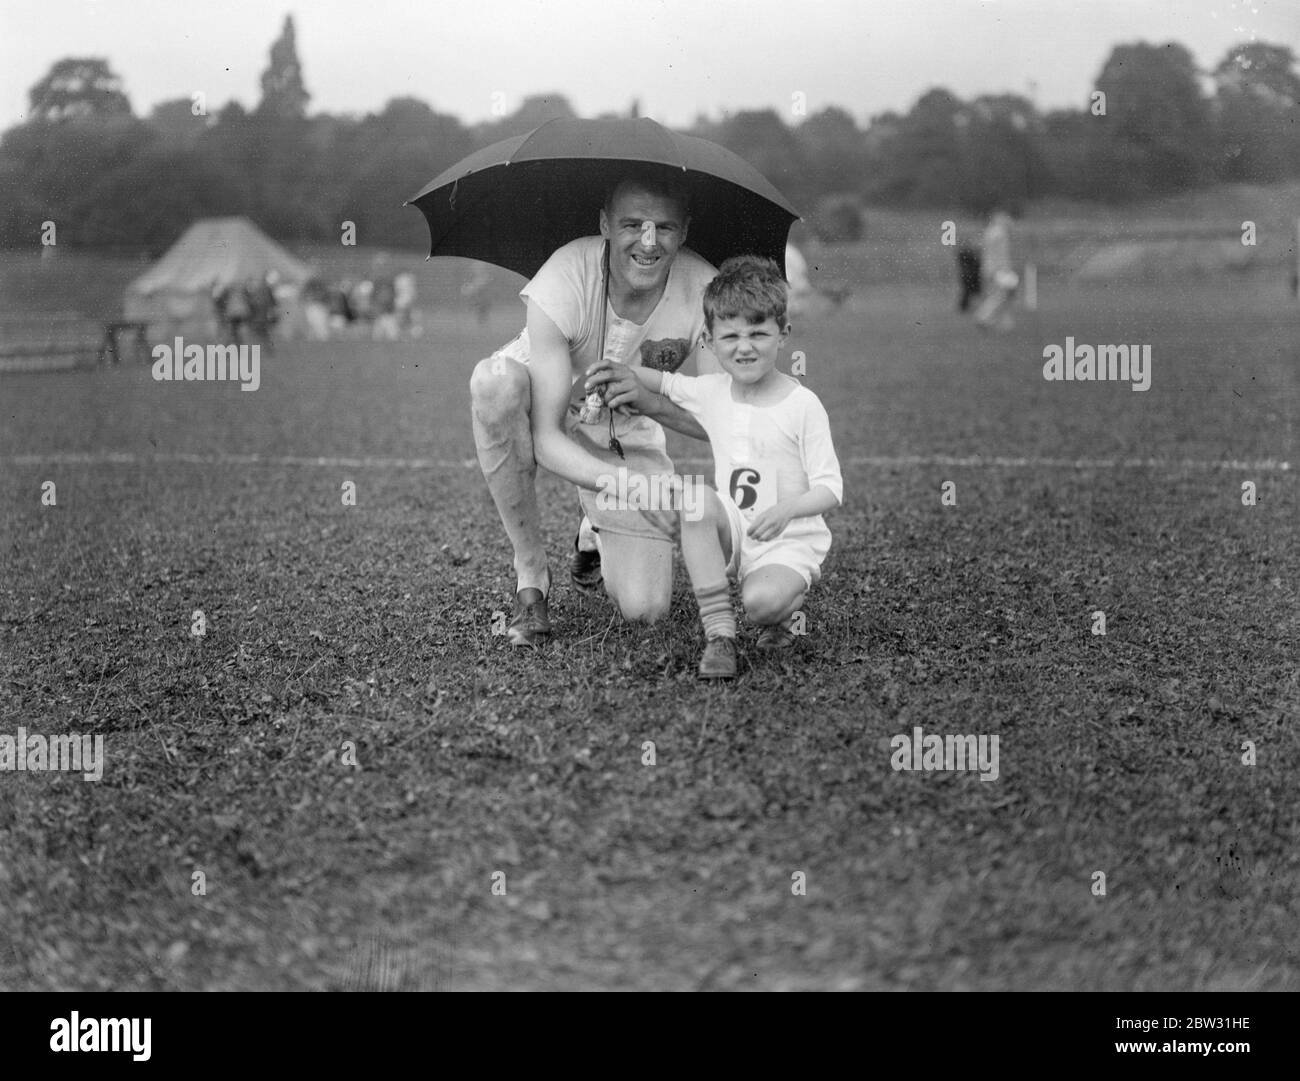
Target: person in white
[796, 273]
[637, 288]
[408, 316]
[775, 467]
[999, 273]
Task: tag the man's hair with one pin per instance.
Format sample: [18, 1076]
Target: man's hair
[661, 181]
[747, 286]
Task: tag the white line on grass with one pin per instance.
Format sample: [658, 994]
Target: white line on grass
[885, 462]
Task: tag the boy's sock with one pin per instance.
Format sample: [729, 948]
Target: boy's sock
[588, 538]
[716, 613]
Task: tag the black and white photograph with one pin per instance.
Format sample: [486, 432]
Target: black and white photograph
[649, 495]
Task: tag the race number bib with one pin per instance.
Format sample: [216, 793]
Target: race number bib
[750, 491]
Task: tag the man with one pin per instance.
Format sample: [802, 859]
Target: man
[527, 398]
[968, 275]
[999, 273]
[262, 313]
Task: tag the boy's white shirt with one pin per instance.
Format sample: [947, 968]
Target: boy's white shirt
[776, 452]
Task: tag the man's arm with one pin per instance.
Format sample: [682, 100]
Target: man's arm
[549, 372]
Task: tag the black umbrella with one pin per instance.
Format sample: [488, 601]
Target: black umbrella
[515, 202]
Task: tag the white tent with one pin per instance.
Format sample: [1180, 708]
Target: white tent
[212, 254]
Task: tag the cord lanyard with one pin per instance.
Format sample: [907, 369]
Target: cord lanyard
[614, 444]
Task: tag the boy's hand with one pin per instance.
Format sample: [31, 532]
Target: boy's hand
[622, 388]
[767, 525]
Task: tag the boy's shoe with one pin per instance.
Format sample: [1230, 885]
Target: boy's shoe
[530, 623]
[584, 569]
[775, 636]
[719, 660]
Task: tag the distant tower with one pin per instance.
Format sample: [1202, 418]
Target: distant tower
[635, 110]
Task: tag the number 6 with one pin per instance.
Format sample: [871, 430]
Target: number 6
[750, 494]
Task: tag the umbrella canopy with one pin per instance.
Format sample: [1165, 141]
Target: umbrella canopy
[515, 202]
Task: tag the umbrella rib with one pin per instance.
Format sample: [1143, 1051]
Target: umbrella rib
[435, 241]
[671, 138]
[529, 138]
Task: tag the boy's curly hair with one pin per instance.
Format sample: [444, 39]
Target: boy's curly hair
[747, 286]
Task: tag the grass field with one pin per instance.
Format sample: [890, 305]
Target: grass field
[373, 624]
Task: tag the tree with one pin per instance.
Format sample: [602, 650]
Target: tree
[1156, 126]
[762, 139]
[148, 202]
[835, 152]
[283, 95]
[177, 120]
[922, 159]
[52, 168]
[533, 111]
[1002, 165]
[1258, 97]
[397, 152]
[1066, 146]
[78, 88]
[1266, 72]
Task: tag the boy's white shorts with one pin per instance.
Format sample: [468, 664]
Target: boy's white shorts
[803, 554]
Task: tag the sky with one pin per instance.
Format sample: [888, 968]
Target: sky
[678, 58]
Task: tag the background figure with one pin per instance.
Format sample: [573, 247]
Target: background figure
[805, 298]
[968, 274]
[408, 319]
[219, 313]
[475, 290]
[288, 320]
[262, 315]
[796, 274]
[316, 310]
[999, 274]
[361, 301]
[385, 305]
[341, 315]
[234, 302]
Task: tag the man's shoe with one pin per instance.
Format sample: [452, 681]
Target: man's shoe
[719, 660]
[530, 624]
[775, 636]
[584, 568]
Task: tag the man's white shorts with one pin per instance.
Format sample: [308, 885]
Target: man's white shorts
[802, 553]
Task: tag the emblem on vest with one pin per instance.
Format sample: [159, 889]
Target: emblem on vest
[665, 355]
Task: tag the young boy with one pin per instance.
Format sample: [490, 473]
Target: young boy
[774, 466]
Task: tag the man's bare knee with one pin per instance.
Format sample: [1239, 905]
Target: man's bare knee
[644, 610]
[499, 388]
[639, 606]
